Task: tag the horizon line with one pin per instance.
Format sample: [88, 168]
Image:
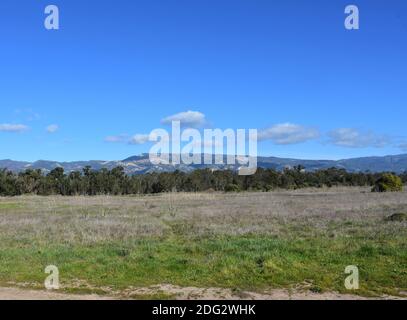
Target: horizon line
[225, 154]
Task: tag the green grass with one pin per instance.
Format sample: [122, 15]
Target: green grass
[242, 242]
[10, 205]
[246, 262]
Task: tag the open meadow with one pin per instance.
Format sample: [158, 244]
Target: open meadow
[153, 246]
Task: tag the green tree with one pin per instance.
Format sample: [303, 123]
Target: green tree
[232, 187]
[388, 183]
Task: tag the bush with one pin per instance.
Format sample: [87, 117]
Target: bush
[397, 217]
[388, 183]
[232, 188]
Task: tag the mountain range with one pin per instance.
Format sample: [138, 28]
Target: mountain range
[141, 164]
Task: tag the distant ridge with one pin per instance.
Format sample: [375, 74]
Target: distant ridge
[140, 164]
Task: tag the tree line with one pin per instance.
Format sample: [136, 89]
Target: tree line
[116, 182]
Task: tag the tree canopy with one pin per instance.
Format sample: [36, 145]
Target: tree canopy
[116, 182]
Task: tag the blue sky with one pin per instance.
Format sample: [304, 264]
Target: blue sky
[116, 69]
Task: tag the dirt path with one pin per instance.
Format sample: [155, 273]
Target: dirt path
[24, 294]
[190, 293]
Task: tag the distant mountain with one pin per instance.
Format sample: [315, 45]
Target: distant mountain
[396, 163]
[141, 164]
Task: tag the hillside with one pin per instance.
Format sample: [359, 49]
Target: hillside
[141, 164]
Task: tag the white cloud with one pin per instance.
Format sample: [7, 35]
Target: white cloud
[13, 127]
[136, 139]
[193, 119]
[288, 133]
[353, 138]
[139, 139]
[52, 128]
[117, 139]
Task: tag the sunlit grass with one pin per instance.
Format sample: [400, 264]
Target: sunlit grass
[264, 241]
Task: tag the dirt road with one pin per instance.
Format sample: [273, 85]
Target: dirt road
[24, 294]
[190, 293]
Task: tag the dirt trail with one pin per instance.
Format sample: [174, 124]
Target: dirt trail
[181, 293]
[24, 294]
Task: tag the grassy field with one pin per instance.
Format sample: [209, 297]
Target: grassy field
[300, 239]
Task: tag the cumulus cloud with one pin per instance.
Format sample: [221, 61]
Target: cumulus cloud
[52, 128]
[193, 119]
[117, 139]
[135, 139]
[139, 139]
[13, 127]
[353, 138]
[288, 133]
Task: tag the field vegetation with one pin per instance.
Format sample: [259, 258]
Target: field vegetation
[299, 239]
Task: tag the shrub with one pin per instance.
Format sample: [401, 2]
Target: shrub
[388, 183]
[397, 217]
[232, 188]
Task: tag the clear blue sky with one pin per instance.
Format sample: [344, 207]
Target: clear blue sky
[117, 68]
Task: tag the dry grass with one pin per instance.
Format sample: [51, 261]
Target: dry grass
[241, 240]
[88, 220]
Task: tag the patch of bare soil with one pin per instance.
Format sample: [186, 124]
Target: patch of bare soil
[182, 293]
[24, 294]
[193, 293]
